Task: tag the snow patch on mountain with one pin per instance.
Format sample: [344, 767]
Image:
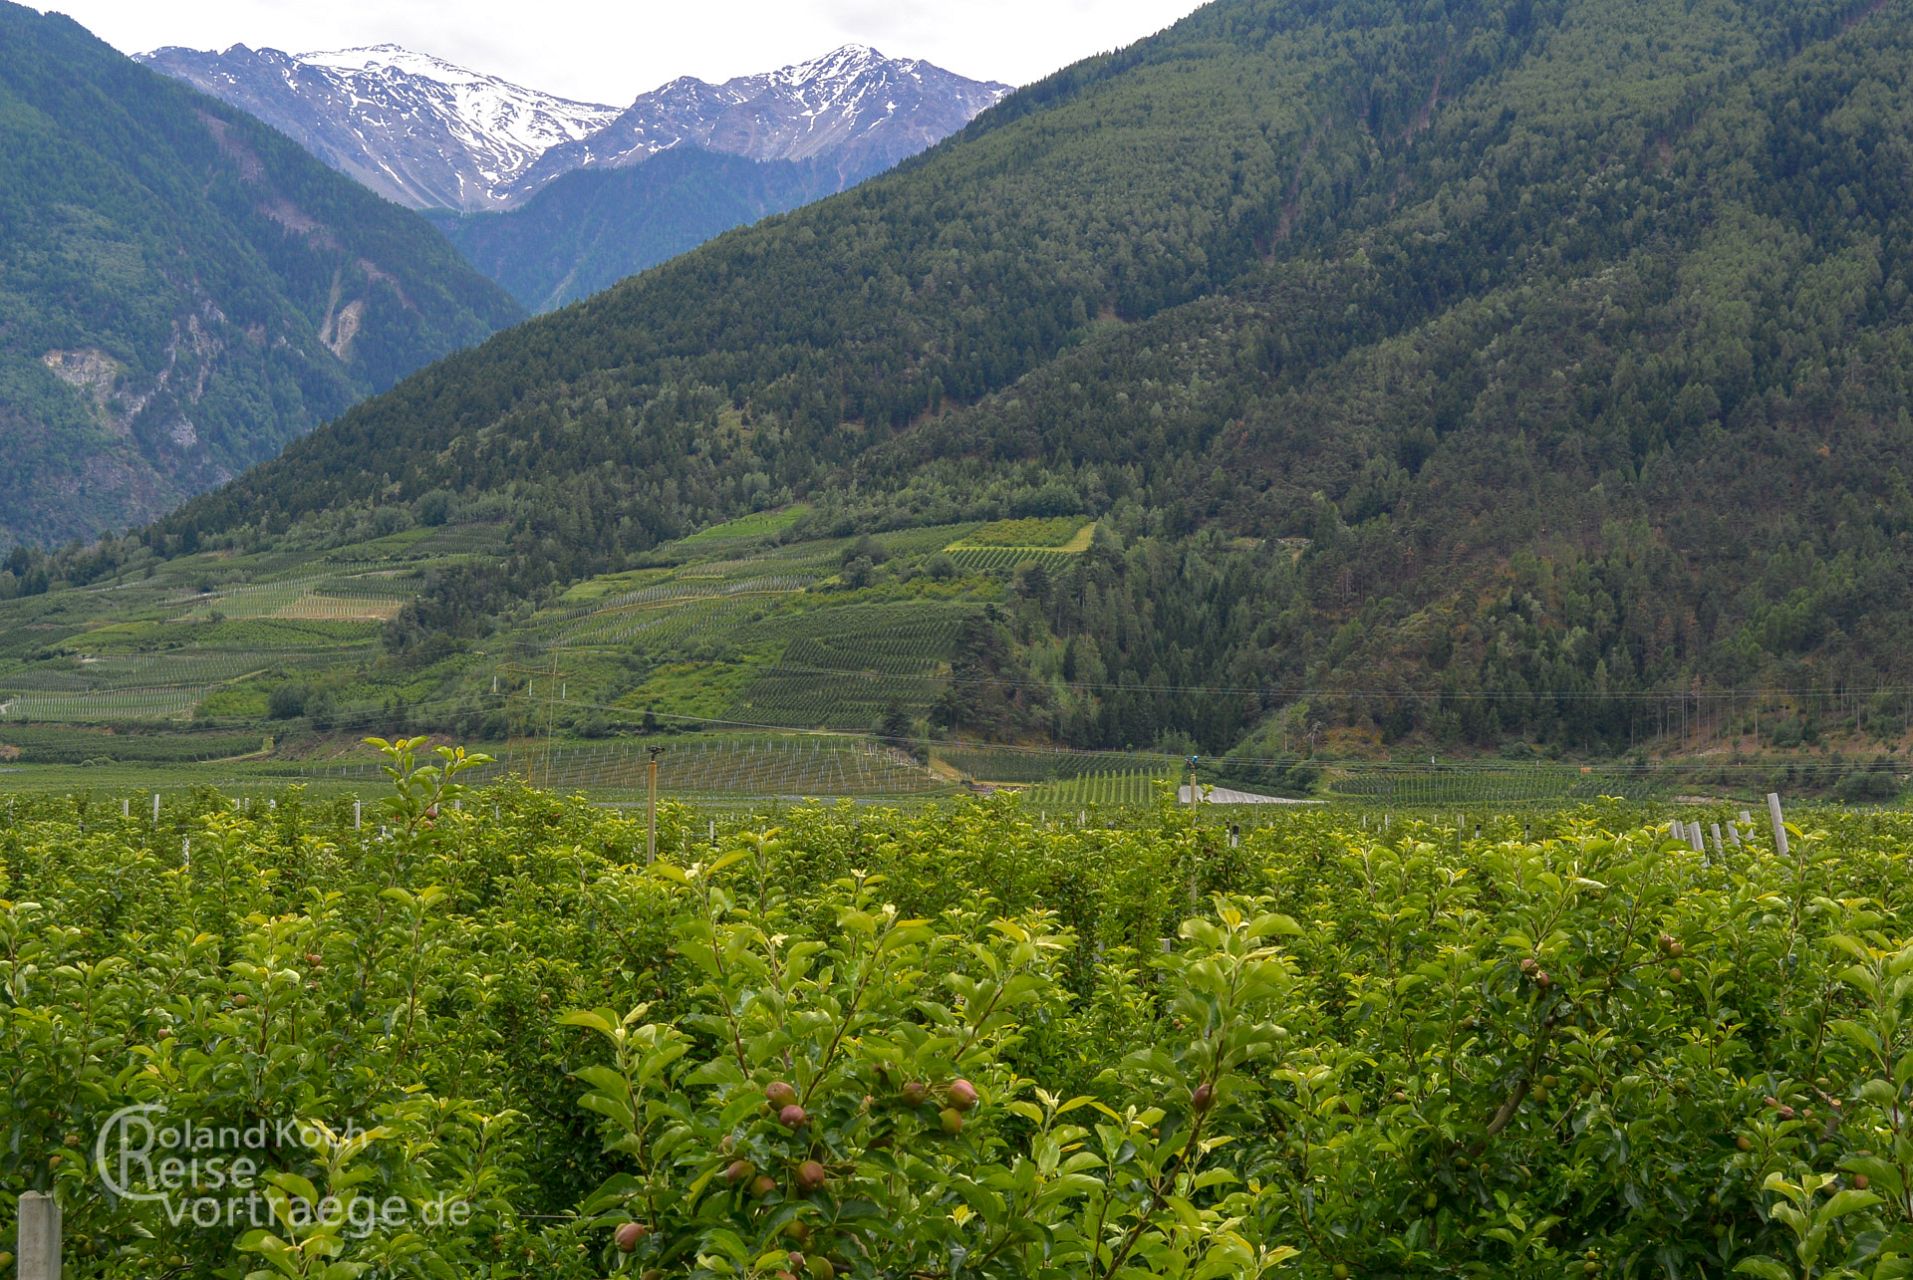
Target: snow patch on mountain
[431, 134]
[417, 129]
[853, 108]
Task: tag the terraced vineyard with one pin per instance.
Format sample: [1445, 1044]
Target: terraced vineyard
[840, 667]
[667, 616]
[1005, 544]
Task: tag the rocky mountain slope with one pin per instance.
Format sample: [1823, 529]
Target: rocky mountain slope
[432, 135]
[418, 130]
[853, 109]
[182, 290]
[557, 199]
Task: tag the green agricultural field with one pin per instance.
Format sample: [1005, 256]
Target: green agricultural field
[1134, 788]
[35, 744]
[732, 767]
[761, 526]
[992, 763]
[858, 1035]
[1475, 784]
[1059, 533]
[752, 627]
[198, 644]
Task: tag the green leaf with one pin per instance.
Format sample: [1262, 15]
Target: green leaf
[598, 1020]
[1848, 1201]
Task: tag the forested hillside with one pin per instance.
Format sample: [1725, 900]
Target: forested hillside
[593, 227]
[182, 290]
[1473, 367]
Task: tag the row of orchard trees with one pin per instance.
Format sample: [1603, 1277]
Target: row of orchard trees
[948, 1043]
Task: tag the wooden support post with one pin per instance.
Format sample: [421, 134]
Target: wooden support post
[1779, 823]
[39, 1237]
[651, 808]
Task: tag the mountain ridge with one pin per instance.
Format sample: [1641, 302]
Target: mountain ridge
[419, 130]
[758, 116]
[431, 134]
[184, 290]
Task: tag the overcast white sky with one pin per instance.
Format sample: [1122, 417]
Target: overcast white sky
[612, 50]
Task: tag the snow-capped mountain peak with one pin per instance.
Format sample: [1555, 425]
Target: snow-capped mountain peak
[417, 129]
[839, 64]
[431, 134]
[853, 108]
[395, 58]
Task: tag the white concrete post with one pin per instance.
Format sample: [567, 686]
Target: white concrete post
[39, 1236]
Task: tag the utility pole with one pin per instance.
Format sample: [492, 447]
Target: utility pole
[651, 822]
